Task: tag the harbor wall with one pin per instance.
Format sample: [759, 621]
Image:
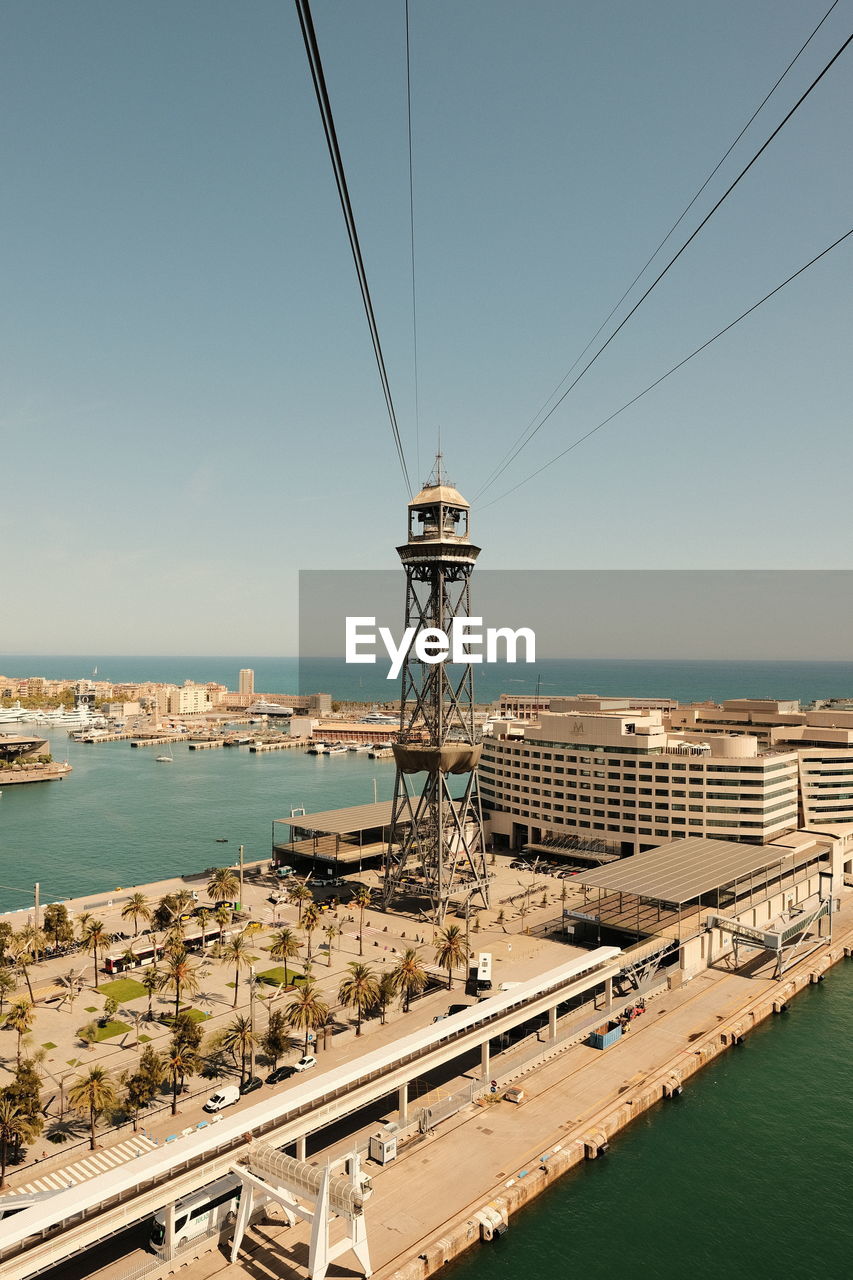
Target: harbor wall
[488, 1218]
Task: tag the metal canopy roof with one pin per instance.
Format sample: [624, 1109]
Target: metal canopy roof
[358, 817]
[685, 869]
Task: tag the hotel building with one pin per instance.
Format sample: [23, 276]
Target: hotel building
[632, 777]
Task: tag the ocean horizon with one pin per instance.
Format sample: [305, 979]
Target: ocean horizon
[685, 679]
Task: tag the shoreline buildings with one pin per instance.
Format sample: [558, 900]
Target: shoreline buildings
[632, 777]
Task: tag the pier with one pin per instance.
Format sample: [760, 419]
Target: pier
[282, 744]
[208, 744]
[162, 740]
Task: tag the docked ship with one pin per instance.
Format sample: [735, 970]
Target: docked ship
[262, 708]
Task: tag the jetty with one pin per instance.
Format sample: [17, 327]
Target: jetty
[162, 740]
[282, 744]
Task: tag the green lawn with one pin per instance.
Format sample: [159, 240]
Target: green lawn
[122, 990]
[91, 1008]
[48, 1044]
[279, 976]
[110, 1030]
[195, 1015]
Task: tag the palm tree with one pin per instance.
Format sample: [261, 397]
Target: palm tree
[35, 939]
[299, 894]
[222, 916]
[223, 885]
[136, 908]
[274, 1040]
[95, 938]
[93, 1094]
[332, 930]
[285, 946]
[16, 1126]
[20, 1019]
[450, 950]
[385, 993]
[307, 1011]
[179, 974]
[409, 976]
[184, 901]
[236, 952]
[310, 920]
[360, 991]
[173, 939]
[181, 1061]
[239, 1038]
[362, 900]
[7, 986]
[19, 949]
[151, 980]
[203, 918]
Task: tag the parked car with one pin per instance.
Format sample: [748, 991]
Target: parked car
[250, 1085]
[305, 1063]
[223, 1097]
[281, 1073]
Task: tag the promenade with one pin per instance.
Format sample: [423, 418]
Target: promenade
[61, 1055]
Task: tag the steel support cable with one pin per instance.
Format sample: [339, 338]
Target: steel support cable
[496, 475]
[412, 231]
[528, 429]
[312, 50]
[580, 440]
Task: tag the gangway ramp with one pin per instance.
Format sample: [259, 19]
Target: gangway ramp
[35, 1239]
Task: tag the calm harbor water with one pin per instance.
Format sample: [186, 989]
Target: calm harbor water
[121, 818]
[747, 1175]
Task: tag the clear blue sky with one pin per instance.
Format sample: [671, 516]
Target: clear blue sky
[190, 412]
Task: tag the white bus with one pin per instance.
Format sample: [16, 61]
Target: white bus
[205, 1211]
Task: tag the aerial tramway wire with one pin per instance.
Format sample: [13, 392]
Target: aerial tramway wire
[412, 231]
[312, 49]
[744, 171]
[580, 440]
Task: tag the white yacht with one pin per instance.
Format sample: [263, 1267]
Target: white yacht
[16, 714]
[262, 708]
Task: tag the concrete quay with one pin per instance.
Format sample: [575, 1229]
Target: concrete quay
[39, 773]
[505, 1155]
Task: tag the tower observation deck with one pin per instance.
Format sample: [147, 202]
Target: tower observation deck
[435, 849]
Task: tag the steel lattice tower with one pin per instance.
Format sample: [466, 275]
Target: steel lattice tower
[436, 848]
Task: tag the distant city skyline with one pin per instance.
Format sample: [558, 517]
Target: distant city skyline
[191, 412]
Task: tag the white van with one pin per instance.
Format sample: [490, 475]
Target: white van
[224, 1097]
[203, 1213]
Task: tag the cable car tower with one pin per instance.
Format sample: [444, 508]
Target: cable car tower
[435, 847]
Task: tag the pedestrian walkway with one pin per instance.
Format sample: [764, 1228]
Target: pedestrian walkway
[95, 1164]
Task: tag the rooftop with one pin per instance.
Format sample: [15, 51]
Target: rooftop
[358, 817]
[683, 870]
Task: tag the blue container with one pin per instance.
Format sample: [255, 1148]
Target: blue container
[605, 1036]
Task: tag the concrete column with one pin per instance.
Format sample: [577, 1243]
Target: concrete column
[403, 1104]
[552, 1024]
[169, 1242]
[485, 1061]
[608, 994]
[301, 1148]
